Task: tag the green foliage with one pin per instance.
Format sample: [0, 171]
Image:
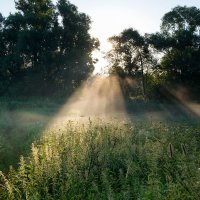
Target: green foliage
[181, 18]
[98, 160]
[130, 52]
[177, 47]
[44, 47]
[21, 122]
[179, 41]
[156, 83]
[131, 57]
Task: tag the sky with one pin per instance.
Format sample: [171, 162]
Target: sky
[110, 17]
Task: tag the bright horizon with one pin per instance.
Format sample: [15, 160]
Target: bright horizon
[112, 17]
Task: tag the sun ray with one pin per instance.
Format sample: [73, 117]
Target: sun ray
[97, 97]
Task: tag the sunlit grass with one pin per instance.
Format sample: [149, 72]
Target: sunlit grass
[110, 160]
[92, 148]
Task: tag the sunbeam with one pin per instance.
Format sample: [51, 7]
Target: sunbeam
[98, 97]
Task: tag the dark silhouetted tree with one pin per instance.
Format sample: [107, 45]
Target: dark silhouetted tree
[130, 56]
[179, 40]
[45, 47]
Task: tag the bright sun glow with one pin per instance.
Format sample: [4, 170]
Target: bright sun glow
[100, 66]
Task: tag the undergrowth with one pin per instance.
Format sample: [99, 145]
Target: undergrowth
[109, 160]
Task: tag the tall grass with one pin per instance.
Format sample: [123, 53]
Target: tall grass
[21, 122]
[109, 160]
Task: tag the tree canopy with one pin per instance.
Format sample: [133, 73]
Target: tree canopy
[44, 47]
[177, 47]
[47, 48]
[130, 55]
[179, 40]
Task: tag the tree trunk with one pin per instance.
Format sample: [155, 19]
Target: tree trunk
[143, 78]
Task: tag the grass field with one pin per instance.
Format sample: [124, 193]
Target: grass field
[153, 153]
[21, 123]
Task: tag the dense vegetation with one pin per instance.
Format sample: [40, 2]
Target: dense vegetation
[143, 156]
[44, 48]
[110, 160]
[177, 44]
[21, 123]
[148, 149]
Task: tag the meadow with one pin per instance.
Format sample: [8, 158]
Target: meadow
[152, 153]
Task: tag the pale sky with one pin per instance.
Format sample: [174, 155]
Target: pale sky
[110, 17]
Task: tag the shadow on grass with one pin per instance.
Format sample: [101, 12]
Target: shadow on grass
[173, 109]
[21, 123]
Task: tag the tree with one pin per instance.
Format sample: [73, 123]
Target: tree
[3, 74]
[46, 46]
[75, 41]
[130, 56]
[179, 40]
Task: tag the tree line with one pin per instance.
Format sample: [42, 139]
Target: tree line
[168, 58]
[44, 48]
